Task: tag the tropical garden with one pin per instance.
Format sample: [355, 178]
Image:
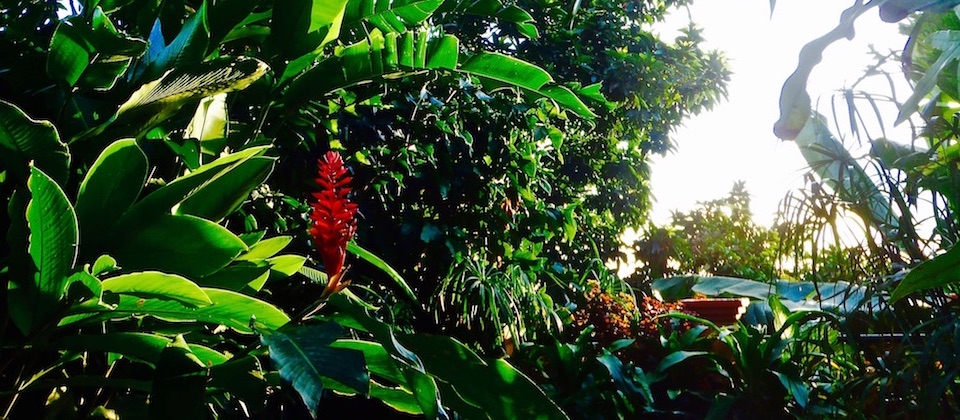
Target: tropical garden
[415, 208]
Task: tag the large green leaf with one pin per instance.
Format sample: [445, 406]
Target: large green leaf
[110, 187]
[164, 199]
[90, 55]
[506, 69]
[242, 377]
[491, 385]
[301, 26]
[179, 382]
[283, 266]
[245, 276]
[266, 248]
[303, 355]
[377, 358]
[23, 139]
[940, 271]
[209, 124]
[185, 245]
[156, 101]
[416, 379]
[840, 171]
[389, 16]
[231, 309]
[53, 250]
[380, 56]
[225, 192]
[678, 357]
[154, 284]
[369, 257]
[141, 346]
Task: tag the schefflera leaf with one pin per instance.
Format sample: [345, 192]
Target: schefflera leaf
[52, 248]
[303, 355]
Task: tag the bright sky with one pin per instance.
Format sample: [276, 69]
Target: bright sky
[735, 141]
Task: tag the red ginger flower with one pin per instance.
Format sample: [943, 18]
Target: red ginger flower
[332, 218]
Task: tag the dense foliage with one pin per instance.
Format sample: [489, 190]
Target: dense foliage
[718, 237]
[158, 164]
[248, 209]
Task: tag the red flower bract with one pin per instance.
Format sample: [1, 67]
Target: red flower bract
[332, 218]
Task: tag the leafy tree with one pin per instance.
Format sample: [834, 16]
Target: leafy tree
[462, 173]
[718, 238]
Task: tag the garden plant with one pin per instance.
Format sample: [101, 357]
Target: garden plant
[410, 208]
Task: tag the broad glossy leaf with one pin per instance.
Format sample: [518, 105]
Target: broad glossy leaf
[382, 55]
[225, 192]
[940, 271]
[90, 55]
[209, 124]
[284, 266]
[301, 26]
[185, 245]
[567, 99]
[795, 386]
[494, 385]
[231, 309]
[369, 257]
[251, 238]
[303, 355]
[248, 277]
[23, 139]
[370, 59]
[156, 101]
[110, 187]
[266, 248]
[178, 384]
[398, 399]
[163, 200]
[377, 358]
[508, 70]
[624, 377]
[424, 387]
[242, 377]
[207, 356]
[103, 264]
[154, 284]
[389, 16]
[839, 170]
[84, 288]
[498, 10]
[53, 249]
[140, 346]
[677, 357]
